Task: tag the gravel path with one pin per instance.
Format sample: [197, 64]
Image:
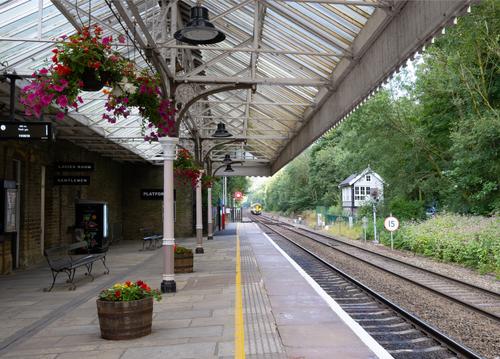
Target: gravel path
[453, 270]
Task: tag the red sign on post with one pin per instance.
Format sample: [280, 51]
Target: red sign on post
[238, 195]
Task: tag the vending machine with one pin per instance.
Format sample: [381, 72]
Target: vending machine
[92, 222]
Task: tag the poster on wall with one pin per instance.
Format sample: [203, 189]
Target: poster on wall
[10, 210]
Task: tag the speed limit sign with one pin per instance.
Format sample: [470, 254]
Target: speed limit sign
[391, 224]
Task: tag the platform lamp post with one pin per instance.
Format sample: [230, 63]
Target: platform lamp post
[168, 145]
[199, 217]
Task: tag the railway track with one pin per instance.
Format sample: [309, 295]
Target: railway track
[398, 331]
[481, 300]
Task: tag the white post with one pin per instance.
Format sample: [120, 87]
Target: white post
[392, 239]
[375, 239]
[168, 280]
[199, 218]
[209, 214]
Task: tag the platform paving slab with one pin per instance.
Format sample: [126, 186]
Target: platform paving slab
[283, 316]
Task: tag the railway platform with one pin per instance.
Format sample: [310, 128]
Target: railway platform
[244, 296]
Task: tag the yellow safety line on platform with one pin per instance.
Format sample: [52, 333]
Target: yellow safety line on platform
[239, 332]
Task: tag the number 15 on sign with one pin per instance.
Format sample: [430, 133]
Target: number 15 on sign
[391, 224]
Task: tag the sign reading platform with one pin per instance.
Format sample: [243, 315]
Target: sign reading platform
[154, 194]
[75, 166]
[25, 130]
[72, 180]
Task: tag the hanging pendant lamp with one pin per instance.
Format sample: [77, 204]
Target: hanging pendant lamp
[229, 168]
[227, 160]
[221, 131]
[199, 31]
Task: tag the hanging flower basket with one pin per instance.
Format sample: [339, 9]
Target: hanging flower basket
[207, 181]
[185, 169]
[86, 62]
[90, 80]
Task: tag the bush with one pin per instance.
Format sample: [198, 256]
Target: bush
[472, 241]
[405, 209]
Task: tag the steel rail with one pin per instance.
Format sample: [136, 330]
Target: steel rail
[488, 291]
[433, 332]
[452, 298]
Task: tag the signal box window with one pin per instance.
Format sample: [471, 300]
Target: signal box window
[368, 178]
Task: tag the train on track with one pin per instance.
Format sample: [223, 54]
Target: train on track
[256, 208]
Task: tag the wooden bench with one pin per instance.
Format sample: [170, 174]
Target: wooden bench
[62, 259]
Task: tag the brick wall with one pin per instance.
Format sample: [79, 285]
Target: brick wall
[113, 182]
[105, 185]
[138, 213]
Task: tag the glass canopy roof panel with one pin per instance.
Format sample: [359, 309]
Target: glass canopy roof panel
[299, 44]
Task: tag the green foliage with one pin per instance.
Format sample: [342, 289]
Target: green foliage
[182, 250]
[435, 139]
[129, 291]
[472, 241]
[405, 209]
[234, 184]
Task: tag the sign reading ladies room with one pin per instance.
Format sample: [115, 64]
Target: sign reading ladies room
[75, 166]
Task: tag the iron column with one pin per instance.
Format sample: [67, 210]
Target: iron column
[168, 281]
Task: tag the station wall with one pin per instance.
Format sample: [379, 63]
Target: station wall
[116, 183]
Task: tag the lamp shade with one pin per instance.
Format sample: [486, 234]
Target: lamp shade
[229, 168]
[199, 31]
[227, 159]
[221, 131]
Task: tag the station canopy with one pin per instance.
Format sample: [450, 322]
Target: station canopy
[287, 71]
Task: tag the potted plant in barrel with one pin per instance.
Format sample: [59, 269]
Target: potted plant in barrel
[183, 260]
[125, 310]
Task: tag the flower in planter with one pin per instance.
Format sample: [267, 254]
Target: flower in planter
[185, 169]
[129, 291]
[182, 250]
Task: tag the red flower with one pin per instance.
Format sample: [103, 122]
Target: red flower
[118, 294]
[140, 283]
[63, 70]
[128, 283]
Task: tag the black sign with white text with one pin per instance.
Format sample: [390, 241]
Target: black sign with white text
[75, 166]
[25, 130]
[72, 180]
[154, 194]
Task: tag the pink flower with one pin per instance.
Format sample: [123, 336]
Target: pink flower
[45, 100]
[62, 101]
[44, 71]
[121, 39]
[37, 110]
[60, 116]
[58, 88]
[107, 40]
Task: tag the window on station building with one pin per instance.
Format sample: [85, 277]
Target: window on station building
[368, 178]
[361, 193]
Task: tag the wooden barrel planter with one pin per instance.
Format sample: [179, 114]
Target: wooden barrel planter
[125, 320]
[183, 263]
